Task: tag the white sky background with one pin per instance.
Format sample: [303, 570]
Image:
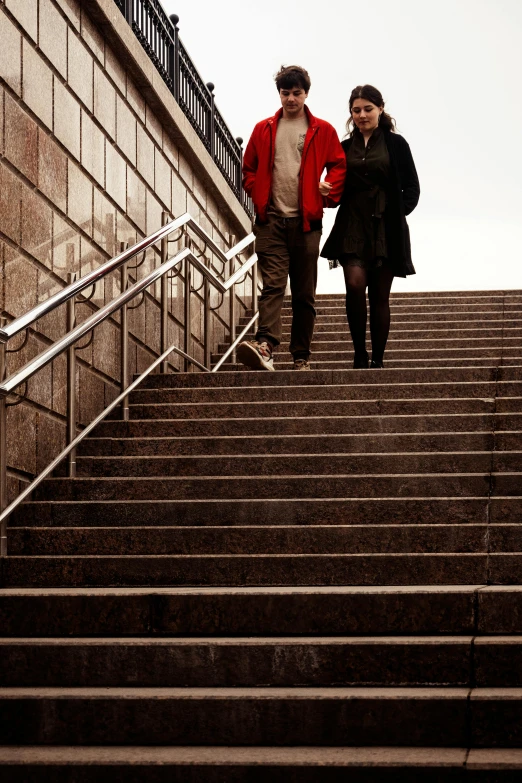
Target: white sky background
[451, 75]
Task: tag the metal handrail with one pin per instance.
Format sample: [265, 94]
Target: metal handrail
[88, 429]
[56, 349]
[236, 341]
[186, 220]
[75, 333]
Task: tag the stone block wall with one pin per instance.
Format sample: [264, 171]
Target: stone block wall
[93, 149]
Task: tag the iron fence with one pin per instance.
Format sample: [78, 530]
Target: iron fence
[158, 34]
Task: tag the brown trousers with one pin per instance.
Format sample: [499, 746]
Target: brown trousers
[285, 250]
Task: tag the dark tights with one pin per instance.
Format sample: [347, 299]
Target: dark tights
[379, 282]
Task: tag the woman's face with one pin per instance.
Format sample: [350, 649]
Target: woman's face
[365, 114]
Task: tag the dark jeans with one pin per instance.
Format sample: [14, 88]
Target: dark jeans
[285, 250]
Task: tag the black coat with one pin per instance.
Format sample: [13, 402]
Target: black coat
[402, 198]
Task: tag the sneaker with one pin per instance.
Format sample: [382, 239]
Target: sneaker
[301, 364]
[257, 355]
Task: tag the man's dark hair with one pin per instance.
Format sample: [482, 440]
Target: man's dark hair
[291, 76]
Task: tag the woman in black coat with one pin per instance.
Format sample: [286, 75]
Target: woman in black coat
[370, 238]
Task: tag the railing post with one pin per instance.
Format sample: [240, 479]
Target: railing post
[164, 296]
[71, 383]
[239, 177]
[129, 15]
[206, 324]
[232, 314]
[3, 449]
[254, 289]
[188, 314]
[174, 18]
[211, 128]
[124, 340]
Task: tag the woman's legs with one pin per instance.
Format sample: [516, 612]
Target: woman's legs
[379, 286]
[356, 281]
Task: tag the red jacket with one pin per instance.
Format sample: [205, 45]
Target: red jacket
[321, 150]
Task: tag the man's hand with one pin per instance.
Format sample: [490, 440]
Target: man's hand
[324, 188]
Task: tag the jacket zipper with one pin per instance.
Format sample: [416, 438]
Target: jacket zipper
[272, 155]
[305, 153]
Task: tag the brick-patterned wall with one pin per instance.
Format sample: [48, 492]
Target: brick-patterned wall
[92, 149]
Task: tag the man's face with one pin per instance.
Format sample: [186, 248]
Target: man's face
[293, 101]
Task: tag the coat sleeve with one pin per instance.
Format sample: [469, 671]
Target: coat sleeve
[250, 162]
[408, 175]
[336, 169]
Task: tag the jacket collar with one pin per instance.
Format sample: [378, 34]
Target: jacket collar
[312, 122]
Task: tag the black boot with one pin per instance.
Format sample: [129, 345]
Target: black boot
[361, 361]
[375, 365]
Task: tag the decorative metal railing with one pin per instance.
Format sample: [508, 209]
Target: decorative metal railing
[158, 34]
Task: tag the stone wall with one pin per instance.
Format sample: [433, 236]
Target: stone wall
[93, 148]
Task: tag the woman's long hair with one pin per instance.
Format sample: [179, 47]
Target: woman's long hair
[371, 94]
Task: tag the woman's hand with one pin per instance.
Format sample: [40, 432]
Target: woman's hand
[324, 188]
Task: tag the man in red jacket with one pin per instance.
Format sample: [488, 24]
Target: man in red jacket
[283, 164]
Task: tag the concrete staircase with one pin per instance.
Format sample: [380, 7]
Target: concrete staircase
[284, 576]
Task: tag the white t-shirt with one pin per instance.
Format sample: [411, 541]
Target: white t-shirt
[289, 145]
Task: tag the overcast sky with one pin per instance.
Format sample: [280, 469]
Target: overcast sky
[450, 73]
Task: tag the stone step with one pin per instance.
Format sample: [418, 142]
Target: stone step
[243, 716]
[151, 421]
[458, 331]
[247, 662]
[362, 378]
[253, 662]
[426, 311]
[498, 661]
[506, 537]
[474, 294]
[390, 398]
[261, 611]
[356, 397]
[284, 511]
[383, 443]
[238, 465]
[285, 363]
[418, 327]
[415, 332]
[473, 316]
[242, 487]
[262, 538]
[403, 297]
[336, 341]
[358, 716]
[166, 764]
[463, 304]
[428, 308]
[429, 295]
[467, 350]
[297, 408]
[261, 569]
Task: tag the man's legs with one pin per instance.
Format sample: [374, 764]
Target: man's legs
[273, 261]
[304, 253]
